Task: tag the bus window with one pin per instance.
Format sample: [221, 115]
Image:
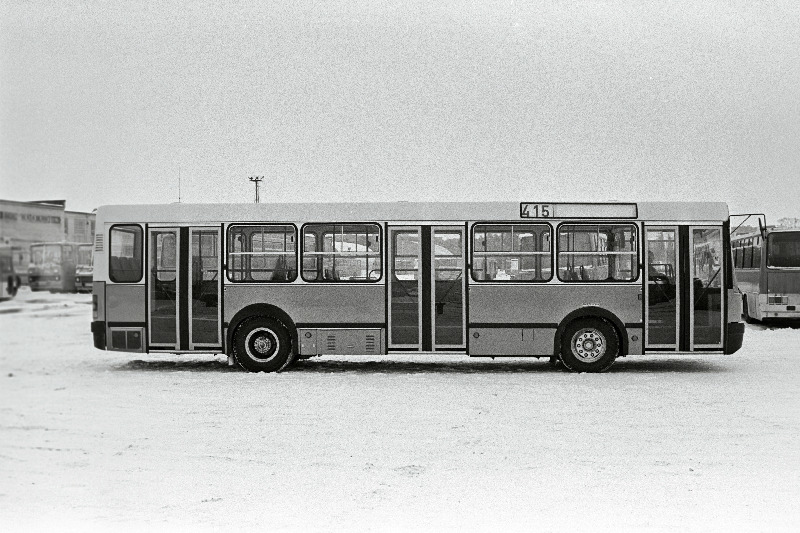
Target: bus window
[125, 261]
[341, 252]
[262, 253]
[747, 254]
[756, 253]
[783, 250]
[707, 286]
[45, 254]
[85, 254]
[519, 252]
[591, 252]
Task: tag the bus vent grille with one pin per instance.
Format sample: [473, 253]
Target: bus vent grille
[98, 242]
[331, 342]
[370, 343]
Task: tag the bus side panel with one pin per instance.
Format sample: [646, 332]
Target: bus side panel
[125, 303]
[748, 281]
[543, 307]
[348, 305]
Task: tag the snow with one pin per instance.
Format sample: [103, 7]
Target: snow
[95, 440]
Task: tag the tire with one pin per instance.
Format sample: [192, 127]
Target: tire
[589, 345]
[262, 344]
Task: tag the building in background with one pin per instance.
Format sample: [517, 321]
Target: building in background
[78, 227]
[26, 223]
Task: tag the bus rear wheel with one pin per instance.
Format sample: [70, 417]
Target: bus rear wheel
[262, 344]
[589, 345]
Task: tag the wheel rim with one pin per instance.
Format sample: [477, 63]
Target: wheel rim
[588, 345]
[262, 344]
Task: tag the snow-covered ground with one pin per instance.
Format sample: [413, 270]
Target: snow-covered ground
[101, 440]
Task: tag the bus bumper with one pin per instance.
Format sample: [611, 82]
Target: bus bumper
[83, 283]
[44, 283]
[735, 337]
[99, 334]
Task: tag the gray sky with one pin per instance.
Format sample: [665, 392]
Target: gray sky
[349, 101]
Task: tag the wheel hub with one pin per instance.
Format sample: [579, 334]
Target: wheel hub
[588, 345]
[262, 344]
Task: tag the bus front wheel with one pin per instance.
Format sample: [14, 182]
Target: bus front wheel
[262, 344]
[589, 345]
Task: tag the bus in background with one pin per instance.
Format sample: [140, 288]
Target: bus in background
[767, 267]
[8, 276]
[84, 269]
[52, 266]
[267, 284]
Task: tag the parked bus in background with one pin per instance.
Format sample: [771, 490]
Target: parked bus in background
[767, 267]
[84, 270]
[8, 276]
[268, 284]
[52, 266]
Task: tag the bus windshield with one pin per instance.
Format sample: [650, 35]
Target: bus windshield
[45, 253]
[85, 255]
[783, 250]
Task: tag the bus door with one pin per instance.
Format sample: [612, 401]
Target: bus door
[184, 289]
[426, 288]
[684, 286]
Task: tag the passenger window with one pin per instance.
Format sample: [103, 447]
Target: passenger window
[756, 262]
[165, 259]
[125, 254]
[262, 253]
[342, 252]
[597, 252]
[511, 252]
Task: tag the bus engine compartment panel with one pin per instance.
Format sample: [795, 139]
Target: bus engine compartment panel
[342, 341]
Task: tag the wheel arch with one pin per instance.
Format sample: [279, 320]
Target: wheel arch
[260, 309]
[592, 311]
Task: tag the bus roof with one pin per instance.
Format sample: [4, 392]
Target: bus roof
[407, 211]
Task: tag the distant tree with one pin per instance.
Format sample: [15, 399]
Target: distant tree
[787, 222]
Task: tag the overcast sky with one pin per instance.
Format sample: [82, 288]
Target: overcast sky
[428, 100]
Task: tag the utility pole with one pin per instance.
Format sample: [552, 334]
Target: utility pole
[256, 180]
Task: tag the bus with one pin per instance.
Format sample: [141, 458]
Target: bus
[84, 269]
[52, 266]
[8, 277]
[268, 284]
[767, 265]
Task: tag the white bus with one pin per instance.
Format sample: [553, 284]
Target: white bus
[768, 273]
[84, 269]
[267, 284]
[52, 266]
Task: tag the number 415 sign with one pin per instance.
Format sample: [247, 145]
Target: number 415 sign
[536, 210]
